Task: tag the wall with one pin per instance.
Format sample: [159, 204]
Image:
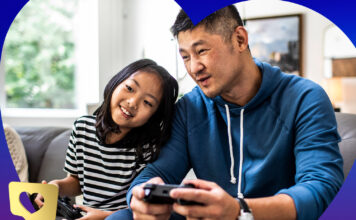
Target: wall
[316, 48]
[111, 40]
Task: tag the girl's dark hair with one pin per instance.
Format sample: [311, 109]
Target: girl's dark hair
[156, 131]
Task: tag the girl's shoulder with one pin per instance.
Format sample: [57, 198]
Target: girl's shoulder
[88, 120]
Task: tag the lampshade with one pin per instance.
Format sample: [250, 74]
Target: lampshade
[333, 88]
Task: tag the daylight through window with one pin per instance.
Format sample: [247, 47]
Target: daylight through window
[39, 56]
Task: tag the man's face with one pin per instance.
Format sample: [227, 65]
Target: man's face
[211, 62]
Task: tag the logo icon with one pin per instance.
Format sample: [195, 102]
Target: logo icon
[49, 193]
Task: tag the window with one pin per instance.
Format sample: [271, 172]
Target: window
[39, 60]
[50, 59]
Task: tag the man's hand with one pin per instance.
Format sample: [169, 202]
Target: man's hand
[217, 203]
[144, 210]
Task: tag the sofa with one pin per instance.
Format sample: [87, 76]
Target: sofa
[347, 131]
[46, 148]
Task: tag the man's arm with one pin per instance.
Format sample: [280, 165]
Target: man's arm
[319, 173]
[318, 176]
[171, 166]
[318, 169]
[280, 206]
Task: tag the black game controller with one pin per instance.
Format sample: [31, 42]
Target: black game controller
[159, 194]
[65, 209]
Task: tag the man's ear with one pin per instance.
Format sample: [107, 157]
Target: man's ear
[241, 38]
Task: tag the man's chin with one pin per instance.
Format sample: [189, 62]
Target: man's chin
[209, 93]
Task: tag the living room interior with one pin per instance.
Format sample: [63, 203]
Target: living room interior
[111, 34]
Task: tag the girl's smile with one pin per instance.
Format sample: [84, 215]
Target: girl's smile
[126, 113]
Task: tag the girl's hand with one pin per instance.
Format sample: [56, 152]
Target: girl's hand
[39, 200]
[93, 214]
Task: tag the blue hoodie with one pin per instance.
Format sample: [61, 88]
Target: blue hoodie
[287, 135]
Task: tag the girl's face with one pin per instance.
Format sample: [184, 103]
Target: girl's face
[136, 99]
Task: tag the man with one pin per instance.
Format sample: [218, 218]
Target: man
[251, 133]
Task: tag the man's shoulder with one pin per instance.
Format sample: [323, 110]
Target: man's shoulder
[195, 99]
[292, 92]
[296, 94]
[195, 107]
[299, 85]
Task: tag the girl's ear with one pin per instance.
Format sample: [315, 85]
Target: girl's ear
[241, 38]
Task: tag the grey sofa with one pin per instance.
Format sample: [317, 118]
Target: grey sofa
[46, 148]
[347, 131]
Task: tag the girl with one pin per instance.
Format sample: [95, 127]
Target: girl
[109, 149]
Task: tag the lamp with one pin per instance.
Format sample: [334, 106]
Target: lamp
[333, 87]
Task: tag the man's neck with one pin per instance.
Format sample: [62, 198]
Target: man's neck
[246, 86]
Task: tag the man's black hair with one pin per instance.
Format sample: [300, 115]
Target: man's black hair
[222, 22]
[156, 131]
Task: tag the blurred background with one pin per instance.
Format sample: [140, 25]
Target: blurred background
[59, 55]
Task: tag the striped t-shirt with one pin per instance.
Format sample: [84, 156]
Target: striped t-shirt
[105, 171]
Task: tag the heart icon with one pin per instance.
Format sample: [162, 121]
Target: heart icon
[25, 200]
[19, 192]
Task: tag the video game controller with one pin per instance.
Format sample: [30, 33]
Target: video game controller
[159, 194]
[65, 209]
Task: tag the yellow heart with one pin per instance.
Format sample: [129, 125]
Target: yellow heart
[49, 193]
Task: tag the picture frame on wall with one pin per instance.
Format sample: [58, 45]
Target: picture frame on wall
[278, 41]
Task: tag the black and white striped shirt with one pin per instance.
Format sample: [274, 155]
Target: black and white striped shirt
[105, 171]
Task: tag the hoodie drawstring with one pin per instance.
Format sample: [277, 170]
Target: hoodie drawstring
[233, 178]
[239, 193]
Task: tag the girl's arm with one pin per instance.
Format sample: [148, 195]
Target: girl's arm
[68, 186]
[93, 214]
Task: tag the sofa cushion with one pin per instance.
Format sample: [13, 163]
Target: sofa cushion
[347, 130]
[54, 158]
[36, 141]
